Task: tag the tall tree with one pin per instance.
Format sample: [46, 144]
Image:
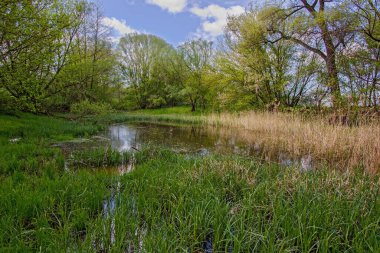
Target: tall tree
[143, 59]
[321, 26]
[92, 71]
[35, 42]
[197, 56]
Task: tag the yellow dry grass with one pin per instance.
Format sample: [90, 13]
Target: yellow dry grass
[340, 146]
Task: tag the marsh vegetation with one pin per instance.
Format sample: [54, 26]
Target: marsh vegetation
[175, 198]
[266, 140]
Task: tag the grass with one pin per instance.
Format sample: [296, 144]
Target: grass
[50, 212]
[176, 203]
[44, 208]
[25, 142]
[172, 202]
[134, 117]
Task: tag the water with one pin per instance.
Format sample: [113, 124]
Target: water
[182, 139]
[197, 140]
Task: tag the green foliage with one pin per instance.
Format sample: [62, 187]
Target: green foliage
[86, 107]
[255, 71]
[58, 53]
[47, 50]
[7, 102]
[144, 61]
[196, 57]
[93, 74]
[30, 64]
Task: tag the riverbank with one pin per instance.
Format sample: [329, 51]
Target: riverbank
[170, 201]
[336, 146]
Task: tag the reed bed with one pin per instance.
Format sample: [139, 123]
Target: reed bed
[341, 146]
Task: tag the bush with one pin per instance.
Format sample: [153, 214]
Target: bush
[86, 107]
[156, 102]
[7, 102]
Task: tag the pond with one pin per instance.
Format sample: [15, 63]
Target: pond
[179, 138]
[186, 139]
[198, 140]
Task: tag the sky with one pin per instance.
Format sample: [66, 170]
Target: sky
[176, 21]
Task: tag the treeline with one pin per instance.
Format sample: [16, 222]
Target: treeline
[56, 55]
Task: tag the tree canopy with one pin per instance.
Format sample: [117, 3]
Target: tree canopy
[315, 53]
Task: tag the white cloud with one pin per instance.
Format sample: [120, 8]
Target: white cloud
[215, 18]
[173, 6]
[119, 28]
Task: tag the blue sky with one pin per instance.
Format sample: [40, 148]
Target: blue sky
[173, 20]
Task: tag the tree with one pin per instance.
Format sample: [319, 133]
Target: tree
[273, 73]
[35, 42]
[359, 61]
[303, 74]
[323, 27]
[196, 55]
[92, 73]
[143, 59]
[368, 12]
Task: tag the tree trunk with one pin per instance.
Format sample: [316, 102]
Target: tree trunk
[193, 107]
[332, 70]
[333, 81]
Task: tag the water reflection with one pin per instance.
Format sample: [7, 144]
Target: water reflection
[197, 140]
[123, 137]
[179, 138]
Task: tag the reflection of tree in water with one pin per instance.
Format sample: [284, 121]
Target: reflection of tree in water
[123, 137]
[199, 139]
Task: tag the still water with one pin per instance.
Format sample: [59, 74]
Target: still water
[186, 139]
[196, 140]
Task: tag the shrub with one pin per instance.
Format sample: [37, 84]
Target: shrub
[86, 107]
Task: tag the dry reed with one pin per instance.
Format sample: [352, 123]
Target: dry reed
[340, 146]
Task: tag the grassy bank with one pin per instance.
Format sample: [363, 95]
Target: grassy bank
[171, 202]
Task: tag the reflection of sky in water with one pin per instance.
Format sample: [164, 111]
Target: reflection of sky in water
[123, 138]
[193, 139]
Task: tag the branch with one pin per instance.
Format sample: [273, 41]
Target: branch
[310, 8]
[301, 43]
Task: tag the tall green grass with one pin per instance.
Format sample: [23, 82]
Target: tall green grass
[34, 128]
[176, 203]
[172, 202]
[50, 213]
[25, 142]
